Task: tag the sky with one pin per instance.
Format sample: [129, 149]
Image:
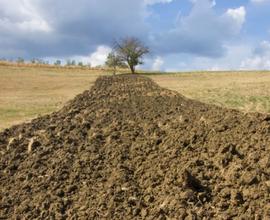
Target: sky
[182, 35]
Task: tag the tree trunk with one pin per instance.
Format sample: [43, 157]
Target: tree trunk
[132, 68]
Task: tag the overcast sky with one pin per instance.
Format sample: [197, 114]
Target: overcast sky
[182, 34]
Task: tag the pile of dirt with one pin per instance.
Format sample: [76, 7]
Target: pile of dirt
[128, 149]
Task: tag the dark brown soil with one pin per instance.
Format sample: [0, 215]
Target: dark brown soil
[128, 149]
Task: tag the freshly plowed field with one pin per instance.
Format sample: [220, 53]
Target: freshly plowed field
[129, 149]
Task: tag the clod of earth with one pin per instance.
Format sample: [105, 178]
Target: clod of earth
[128, 149]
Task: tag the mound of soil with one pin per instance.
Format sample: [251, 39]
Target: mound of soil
[128, 149]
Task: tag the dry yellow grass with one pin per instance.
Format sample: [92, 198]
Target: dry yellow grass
[27, 91]
[244, 90]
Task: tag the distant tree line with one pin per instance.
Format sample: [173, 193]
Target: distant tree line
[37, 61]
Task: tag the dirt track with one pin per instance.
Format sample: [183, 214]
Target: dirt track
[128, 149]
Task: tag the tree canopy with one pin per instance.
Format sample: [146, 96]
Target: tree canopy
[114, 61]
[130, 50]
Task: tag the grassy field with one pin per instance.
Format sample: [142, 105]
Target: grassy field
[246, 91]
[26, 92]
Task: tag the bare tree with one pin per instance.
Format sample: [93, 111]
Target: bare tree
[131, 50]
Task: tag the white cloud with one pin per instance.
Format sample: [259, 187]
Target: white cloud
[34, 25]
[238, 57]
[259, 1]
[263, 48]
[153, 2]
[38, 28]
[94, 59]
[188, 62]
[23, 16]
[63, 29]
[237, 14]
[212, 2]
[230, 61]
[202, 32]
[158, 64]
[99, 56]
[260, 58]
[256, 63]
